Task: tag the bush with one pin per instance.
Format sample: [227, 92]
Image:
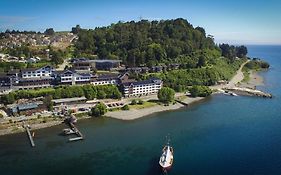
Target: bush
[141, 102]
[125, 108]
[200, 91]
[99, 110]
[134, 102]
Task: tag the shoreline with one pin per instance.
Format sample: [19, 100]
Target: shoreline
[133, 114]
[255, 79]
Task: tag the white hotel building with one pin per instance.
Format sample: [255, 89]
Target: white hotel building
[45, 71]
[146, 87]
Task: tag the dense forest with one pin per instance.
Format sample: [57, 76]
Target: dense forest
[144, 42]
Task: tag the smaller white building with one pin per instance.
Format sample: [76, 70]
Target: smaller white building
[45, 71]
[139, 88]
[72, 77]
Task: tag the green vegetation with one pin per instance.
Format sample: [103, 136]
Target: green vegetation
[200, 91]
[166, 95]
[143, 42]
[257, 64]
[146, 104]
[134, 102]
[125, 108]
[179, 80]
[89, 91]
[232, 52]
[99, 110]
[6, 66]
[253, 65]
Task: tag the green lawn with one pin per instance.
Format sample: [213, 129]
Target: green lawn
[146, 104]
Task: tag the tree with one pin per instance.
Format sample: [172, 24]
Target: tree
[166, 95]
[48, 102]
[49, 31]
[201, 61]
[57, 56]
[76, 29]
[8, 99]
[200, 91]
[242, 51]
[99, 110]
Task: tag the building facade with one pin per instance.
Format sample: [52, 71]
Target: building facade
[140, 88]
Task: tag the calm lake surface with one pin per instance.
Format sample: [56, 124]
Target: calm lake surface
[223, 135]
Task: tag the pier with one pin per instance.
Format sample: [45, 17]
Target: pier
[249, 92]
[73, 129]
[27, 128]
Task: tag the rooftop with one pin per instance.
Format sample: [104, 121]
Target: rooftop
[65, 100]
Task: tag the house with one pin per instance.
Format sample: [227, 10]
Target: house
[72, 77]
[106, 64]
[106, 79]
[144, 69]
[82, 64]
[45, 71]
[5, 83]
[139, 88]
[136, 70]
[26, 108]
[174, 66]
[69, 101]
[156, 69]
[34, 83]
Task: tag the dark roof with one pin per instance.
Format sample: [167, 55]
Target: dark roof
[107, 76]
[104, 61]
[35, 79]
[149, 81]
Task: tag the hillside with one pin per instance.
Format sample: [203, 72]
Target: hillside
[145, 42]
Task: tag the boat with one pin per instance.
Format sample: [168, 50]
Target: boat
[233, 94]
[167, 157]
[68, 131]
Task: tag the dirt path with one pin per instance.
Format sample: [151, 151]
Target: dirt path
[238, 77]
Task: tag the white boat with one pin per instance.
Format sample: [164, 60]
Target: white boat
[68, 131]
[167, 157]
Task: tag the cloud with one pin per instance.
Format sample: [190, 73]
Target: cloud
[8, 22]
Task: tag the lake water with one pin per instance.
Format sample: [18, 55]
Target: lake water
[223, 135]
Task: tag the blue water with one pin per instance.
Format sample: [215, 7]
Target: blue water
[223, 135]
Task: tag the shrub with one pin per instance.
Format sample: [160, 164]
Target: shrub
[134, 102]
[125, 108]
[140, 102]
[200, 91]
[99, 110]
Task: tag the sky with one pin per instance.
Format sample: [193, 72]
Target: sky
[233, 22]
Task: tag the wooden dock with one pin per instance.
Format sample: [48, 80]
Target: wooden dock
[77, 132]
[27, 128]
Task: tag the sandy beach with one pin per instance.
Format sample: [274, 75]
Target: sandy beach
[255, 80]
[133, 114]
